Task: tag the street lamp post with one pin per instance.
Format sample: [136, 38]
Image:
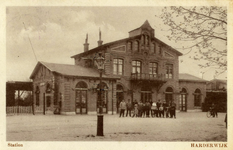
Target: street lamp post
[100, 64]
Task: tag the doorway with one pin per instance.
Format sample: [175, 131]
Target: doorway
[81, 98]
[146, 93]
[183, 100]
[119, 96]
[169, 95]
[81, 102]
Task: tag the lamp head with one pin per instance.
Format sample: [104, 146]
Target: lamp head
[100, 61]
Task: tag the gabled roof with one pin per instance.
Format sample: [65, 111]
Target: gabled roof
[104, 46]
[69, 70]
[189, 77]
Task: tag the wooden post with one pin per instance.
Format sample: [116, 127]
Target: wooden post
[44, 103]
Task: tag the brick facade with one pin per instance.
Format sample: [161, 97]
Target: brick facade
[140, 67]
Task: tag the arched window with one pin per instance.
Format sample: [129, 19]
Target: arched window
[153, 69]
[197, 98]
[130, 46]
[118, 66]
[81, 98]
[81, 84]
[119, 88]
[183, 100]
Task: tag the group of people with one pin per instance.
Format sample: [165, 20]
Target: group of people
[147, 109]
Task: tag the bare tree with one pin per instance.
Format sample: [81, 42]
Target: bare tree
[204, 30]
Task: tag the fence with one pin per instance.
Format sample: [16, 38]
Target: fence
[12, 110]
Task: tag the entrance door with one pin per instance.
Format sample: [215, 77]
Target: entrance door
[119, 96]
[81, 98]
[183, 100]
[146, 96]
[81, 102]
[169, 95]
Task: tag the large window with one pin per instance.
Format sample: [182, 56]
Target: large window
[197, 98]
[136, 67]
[118, 66]
[153, 68]
[169, 71]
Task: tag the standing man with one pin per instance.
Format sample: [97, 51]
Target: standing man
[140, 105]
[215, 111]
[122, 107]
[165, 106]
[158, 105]
[128, 108]
[148, 109]
[173, 109]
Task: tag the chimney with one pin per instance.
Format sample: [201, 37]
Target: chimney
[86, 44]
[100, 42]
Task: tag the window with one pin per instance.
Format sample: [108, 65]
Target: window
[136, 67]
[153, 68]
[147, 40]
[130, 46]
[169, 71]
[160, 50]
[136, 46]
[183, 99]
[153, 48]
[117, 66]
[197, 98]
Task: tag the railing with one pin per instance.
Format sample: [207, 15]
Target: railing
[144, 76]
[18, 110]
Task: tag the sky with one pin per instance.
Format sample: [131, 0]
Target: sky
[54, 34]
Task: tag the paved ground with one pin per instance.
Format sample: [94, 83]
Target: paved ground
[187, 127]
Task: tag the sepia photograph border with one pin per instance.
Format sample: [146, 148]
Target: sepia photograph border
[102, 145]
